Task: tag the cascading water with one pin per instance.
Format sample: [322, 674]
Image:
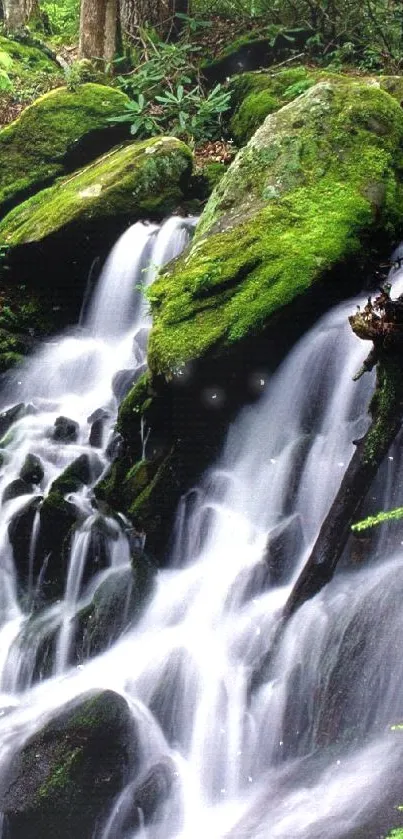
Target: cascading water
[310, 754]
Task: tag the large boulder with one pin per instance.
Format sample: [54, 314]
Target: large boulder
[64, 779]
[317, 186]
[53, 238]
[59, 131]
[298, 221]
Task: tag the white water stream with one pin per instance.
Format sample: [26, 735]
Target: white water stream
[310, 754]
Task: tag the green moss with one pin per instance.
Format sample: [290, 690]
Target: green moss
[251, 113]
[27, 59]
[134, 181]
[135, 401]
[35, 148]
[61, 777]
[384, 406]
[256, 95]
[318, 179]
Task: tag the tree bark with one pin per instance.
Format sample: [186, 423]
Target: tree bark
[19, 12]
[159, 14]
[98, 29]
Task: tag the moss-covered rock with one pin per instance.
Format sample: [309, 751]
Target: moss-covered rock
[258, 48]
[319, 181]
[136, 181]
[296, 223]
[53, 238]
[60, 130]
[64, 779]
[256, 95]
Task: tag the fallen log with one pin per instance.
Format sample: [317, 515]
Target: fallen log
[380, 322]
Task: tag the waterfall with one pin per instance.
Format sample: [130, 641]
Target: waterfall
[310, 753]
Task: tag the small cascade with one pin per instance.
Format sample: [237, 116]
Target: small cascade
[61, 393]
[311, 752]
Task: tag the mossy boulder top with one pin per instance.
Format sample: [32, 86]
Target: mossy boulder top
[44, 142]
[318, 182]
[256, 95]
[140, 180]
[65, 777]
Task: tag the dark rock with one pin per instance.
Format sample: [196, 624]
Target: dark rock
[65, 430]
[57, 518]
[173, 699]
[149, 794]
[16, 488]
[82, 471]
[254, 52]
[32, 470]
[114, 446]
[19, 532]
[99, 414]
[283, 546]
[250, 583]
[96, 433]
[124, 380]
[117, 603]
[140, 343]
[74, 477]
[98, 555]
[7, 418]
[64, 779]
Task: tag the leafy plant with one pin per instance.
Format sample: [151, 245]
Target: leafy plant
[193, 24]
[142, 123]
[64, 17]
[168, 96]
[6, 63]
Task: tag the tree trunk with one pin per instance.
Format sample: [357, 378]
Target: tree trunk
[19, 12]
[98, 28]
[159, 14]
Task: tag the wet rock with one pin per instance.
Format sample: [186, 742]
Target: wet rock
[283, 545]
[15, 489]
[149, 794]
[96, 433]
[65, 430]
[74, 477]
[250, 583]
[57, 518]
[32, 470]
[114, 446]
[19, 532]
[7, 418]
[99, 414]
[140, 342]
[173, 699]
[124, 380]
[117, 603]
[63, 780]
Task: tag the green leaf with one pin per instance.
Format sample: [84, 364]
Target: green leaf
[380, 518]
